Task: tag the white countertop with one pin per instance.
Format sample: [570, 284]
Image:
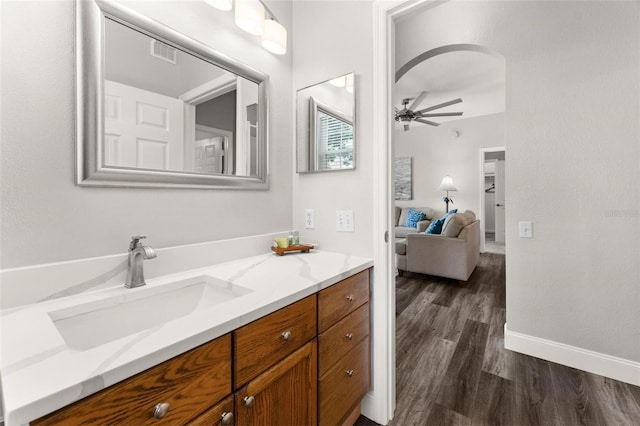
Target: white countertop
[40, 373]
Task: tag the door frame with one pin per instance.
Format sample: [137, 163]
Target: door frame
[379, 404]
[481, 192]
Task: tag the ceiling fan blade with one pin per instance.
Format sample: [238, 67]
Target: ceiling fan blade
[442, 105]
[418, 100]
[441, 114]
[430, 123]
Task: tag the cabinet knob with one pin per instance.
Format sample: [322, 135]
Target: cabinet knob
[350, 298]
[349, 336]
[227, 418]
[349, 373]
[248, 401]
[286, 335]
[161, 410]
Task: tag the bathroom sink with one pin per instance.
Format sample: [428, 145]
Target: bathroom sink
[95, 323]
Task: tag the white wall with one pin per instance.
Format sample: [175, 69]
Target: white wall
[436, 154]
[46, 218]
[332, 39]
[572, 128]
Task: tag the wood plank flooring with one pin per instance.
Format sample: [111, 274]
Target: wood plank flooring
[452, 368]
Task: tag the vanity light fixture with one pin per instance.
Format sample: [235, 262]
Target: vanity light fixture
[274, 37]
[250, 16]
[220, 4]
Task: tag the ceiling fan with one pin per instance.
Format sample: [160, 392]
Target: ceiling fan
[407, 115]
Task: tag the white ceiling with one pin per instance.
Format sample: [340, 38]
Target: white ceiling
[477, 78]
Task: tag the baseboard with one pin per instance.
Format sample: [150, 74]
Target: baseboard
[571, 356]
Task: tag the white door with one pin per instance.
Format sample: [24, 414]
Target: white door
[142, 129]
[500, 207]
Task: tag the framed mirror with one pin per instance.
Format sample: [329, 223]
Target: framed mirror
[156, 108]
[325, 126]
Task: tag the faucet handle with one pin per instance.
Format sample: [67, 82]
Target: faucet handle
[135, 241]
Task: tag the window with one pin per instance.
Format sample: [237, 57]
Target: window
[335, 142]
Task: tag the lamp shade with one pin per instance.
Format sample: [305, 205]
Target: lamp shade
[447, 184]
[249, 16]
[274, 37]
[220, 4]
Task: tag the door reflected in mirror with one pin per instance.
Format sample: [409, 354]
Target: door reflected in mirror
[176, 112]
[325, 128]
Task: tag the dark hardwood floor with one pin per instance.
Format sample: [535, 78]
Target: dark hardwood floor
[452, 368]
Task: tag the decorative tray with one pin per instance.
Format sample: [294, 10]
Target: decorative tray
[304, 248]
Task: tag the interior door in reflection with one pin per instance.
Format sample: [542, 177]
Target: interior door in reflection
[143, 129]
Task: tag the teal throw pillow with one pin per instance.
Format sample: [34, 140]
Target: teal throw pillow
[413, 217]
[435, 227]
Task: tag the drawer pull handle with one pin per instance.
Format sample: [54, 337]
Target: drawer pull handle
[350, 298]
[248, 401]
[286, 335]
[227, 418]
[349, 336]
[349, 373]
[161, 410]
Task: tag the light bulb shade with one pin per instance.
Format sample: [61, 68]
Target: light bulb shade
[250, 16]
[447, 184]
[220, 4]
[274, 37]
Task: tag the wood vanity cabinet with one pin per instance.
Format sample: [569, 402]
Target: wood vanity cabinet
[344, 356]
[190, 383]
[304, 364]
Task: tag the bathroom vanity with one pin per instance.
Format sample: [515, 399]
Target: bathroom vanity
[292, 349]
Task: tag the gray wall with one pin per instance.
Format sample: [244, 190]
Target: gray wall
[45, 217]
[572, 131]
[333, 39]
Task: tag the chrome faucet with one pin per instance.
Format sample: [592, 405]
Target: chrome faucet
[137, 253]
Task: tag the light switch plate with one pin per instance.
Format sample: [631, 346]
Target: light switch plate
[525, 229]
[344, 221]
[309, 219]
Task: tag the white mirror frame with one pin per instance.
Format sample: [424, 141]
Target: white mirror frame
[90, 169]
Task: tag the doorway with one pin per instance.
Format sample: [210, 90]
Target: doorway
[492, 200]
[379, 405]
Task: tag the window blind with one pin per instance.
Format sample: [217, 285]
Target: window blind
[335, 142]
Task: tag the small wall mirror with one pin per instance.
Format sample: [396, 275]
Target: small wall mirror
[325, 127]
[159, 109]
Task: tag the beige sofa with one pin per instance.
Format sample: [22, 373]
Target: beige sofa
[401, 230]
[452, 254]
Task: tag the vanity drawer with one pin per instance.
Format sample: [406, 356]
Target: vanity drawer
[262, 343]
[189, 383]
[344, 385]
[342, 298]
[342, 337]
[221, 414]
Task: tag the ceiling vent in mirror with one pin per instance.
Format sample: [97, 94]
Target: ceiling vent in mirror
[163, 51]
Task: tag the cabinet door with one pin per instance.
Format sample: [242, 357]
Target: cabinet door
[285, 394]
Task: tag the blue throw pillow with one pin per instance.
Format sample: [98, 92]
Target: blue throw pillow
[413, 217]
[436, 226]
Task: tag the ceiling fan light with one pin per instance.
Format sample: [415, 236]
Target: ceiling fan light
[220, 4]
[249, 16]
[274, 37]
